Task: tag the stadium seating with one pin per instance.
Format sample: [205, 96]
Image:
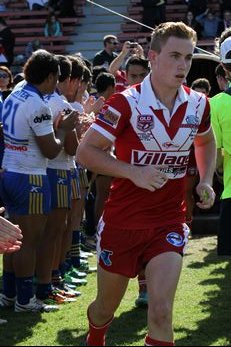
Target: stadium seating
[175, 11]
[28, 25]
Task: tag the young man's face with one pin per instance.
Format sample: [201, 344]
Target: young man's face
[170, 67]
[136, 74]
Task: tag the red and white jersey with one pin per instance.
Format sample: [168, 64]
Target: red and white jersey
[145, 133]
[121, 81]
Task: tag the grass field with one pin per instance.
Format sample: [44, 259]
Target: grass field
[201, 315]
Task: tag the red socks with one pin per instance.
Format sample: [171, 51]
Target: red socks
[152, 342]
[96, 334]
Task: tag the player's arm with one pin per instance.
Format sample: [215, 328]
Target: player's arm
[118, 61]
[205, 153]
[51, 144]
[71, 142]
[92, 154]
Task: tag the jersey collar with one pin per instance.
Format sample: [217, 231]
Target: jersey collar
[31, 88]
[147, 92]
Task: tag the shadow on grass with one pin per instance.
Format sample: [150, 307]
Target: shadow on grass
[20, 326]
[134, 320]
[216, 304]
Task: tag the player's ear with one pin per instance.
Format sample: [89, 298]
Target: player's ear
[152, 55]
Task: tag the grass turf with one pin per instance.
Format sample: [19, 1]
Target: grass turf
[201, 313]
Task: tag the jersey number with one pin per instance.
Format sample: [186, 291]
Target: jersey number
[9, 116]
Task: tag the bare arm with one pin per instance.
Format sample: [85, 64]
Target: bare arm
[50, 145]
[71, 142]
[205, 152]
[92, 154]
[118, 61]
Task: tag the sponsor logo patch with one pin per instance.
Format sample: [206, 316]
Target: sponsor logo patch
[175, 239]
[42, 118]
[105, 257]
[109, 117]
[145, 122]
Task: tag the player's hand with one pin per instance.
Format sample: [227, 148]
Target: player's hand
[148, 177]
[206, 194]
[66, 122]
[126, 47]
[92, 105]
[10, 248]
[10, 235]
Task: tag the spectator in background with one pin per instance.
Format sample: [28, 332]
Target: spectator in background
[3, 5]
[95, 73]
[31, 47]
[36, 5]
[136, 66]
[53, 27]
[6, 81]
[225, 23]
[7, 42]
[190, 20]
[197, 6]
[107, 55]
[53, 5]
[222, 79]
[66, 8]
[201, 85]
[209, 23]
[154, 13]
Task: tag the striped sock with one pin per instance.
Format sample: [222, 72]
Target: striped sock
[75, 248]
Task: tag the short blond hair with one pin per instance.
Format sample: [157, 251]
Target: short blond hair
[165, 30]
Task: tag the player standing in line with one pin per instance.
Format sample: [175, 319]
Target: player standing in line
[58, 171]
[29, 140]
[153, 126]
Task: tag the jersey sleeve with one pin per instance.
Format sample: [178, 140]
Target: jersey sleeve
[206, 120]
[113, 118]
[41, 121]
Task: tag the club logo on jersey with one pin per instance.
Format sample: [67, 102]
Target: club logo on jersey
[192, 121]
[175, 239]
[145, 123]
[42, 118]
[109, 117]
[105, 257]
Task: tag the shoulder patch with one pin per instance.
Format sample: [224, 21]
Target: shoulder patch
[109, 117]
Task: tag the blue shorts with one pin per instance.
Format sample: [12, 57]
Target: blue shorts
[24, 194]
[60, 183]
[75, 186]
